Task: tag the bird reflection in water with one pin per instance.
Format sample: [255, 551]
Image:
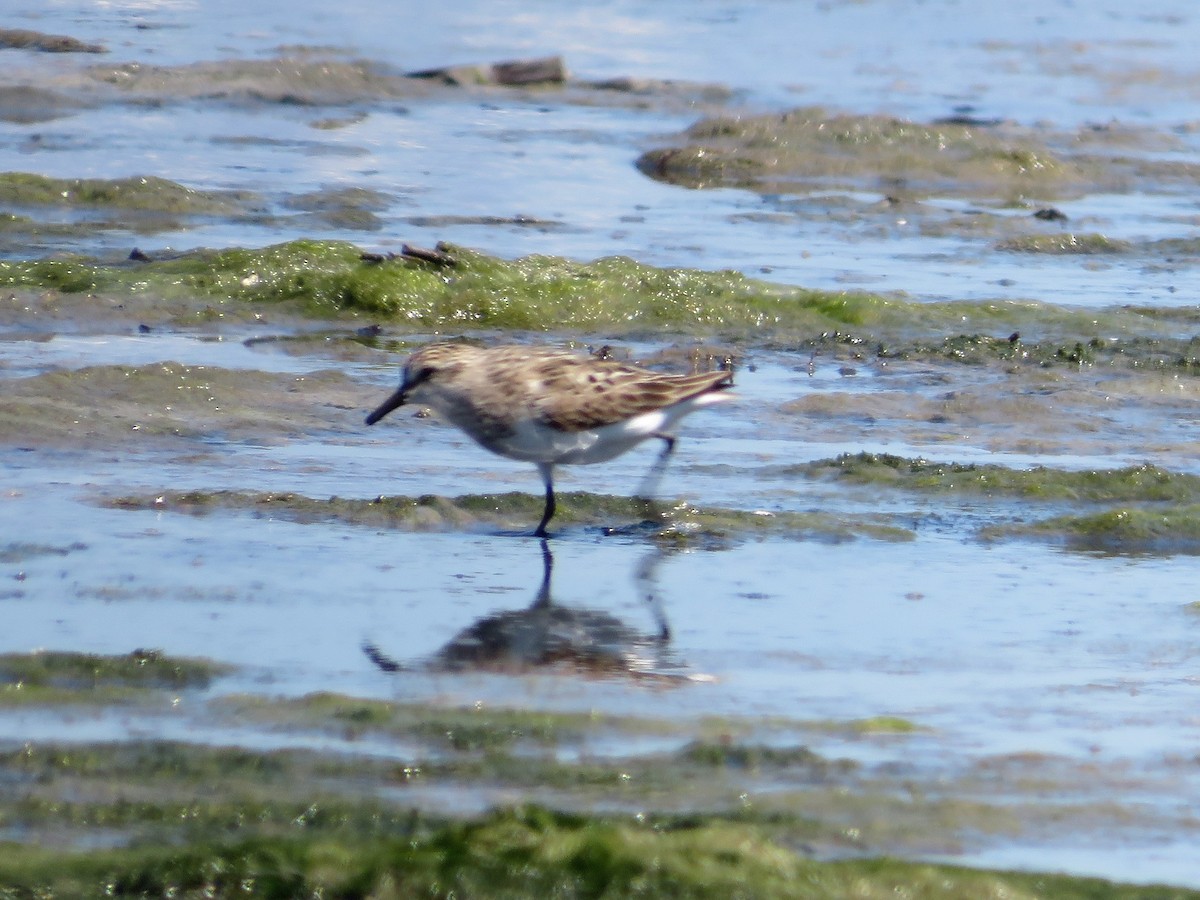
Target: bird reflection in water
[547, 636]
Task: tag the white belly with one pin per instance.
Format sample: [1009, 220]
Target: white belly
[532, 441]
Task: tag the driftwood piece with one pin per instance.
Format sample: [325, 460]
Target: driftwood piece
[550, 69]
[512, 73]
[436, 257]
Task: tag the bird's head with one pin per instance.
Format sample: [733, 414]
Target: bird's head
[423, 369]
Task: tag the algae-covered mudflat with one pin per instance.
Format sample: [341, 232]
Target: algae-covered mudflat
[916, 615]
[390, 798]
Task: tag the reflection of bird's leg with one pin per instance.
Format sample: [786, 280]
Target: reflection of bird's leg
[384, 662]
[646, 577]
[547, 471]
[542, 598]
[531, 641]
[649, 486]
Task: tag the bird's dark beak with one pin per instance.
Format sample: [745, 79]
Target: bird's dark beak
[396, 400]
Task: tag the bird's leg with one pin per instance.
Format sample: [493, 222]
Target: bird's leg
[649, 486]
[547, 472]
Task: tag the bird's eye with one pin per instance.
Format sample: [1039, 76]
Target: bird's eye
[422, 374]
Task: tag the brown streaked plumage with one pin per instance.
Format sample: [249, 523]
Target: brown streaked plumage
[551, 407]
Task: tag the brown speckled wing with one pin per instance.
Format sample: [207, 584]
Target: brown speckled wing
[588, 393]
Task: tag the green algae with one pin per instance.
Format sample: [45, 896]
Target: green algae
[628, 783]
[440, 728]
[185, 765]
[65, 275]
[759, 756]
[1159, 511]
[144, 193]
[144, 821]
[879, 725]
[1127, 529]
[809, 148]
[420, 720]
[170, 818]
[524, 852]
[612, 295]
[151, 781]
[975, 349]
[534, 293]
[1082, 244]
[681, 523]
[1144, 483]
[71, 782]
[61, 677]
[461, 729]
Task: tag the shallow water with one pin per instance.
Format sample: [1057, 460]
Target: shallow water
[998, 649]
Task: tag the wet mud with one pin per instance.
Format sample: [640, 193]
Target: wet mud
[396, 765]
[807, 149]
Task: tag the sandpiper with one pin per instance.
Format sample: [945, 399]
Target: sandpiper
[551, 407]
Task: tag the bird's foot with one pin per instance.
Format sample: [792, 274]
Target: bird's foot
[644, 528]
[510, 533]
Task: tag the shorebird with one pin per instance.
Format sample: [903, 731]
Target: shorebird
[551, 407]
